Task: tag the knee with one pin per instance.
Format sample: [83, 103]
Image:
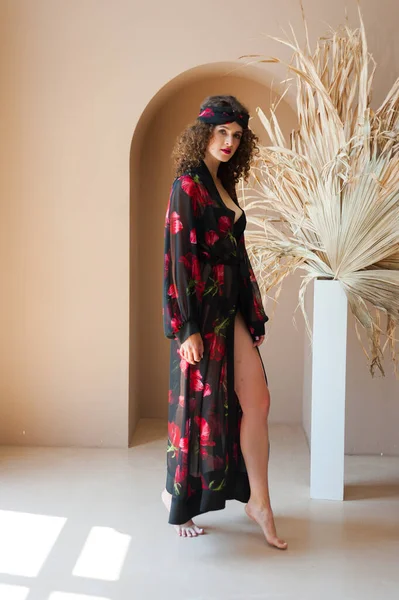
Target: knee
[265, 407]
[257, 408]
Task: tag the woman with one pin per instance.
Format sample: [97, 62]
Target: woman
[218, 399]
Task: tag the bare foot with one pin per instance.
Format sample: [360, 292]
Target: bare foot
[189, 529]
[264, 518]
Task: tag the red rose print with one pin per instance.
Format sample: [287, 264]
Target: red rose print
[184, 444]
[203, 196]
[172, 291]
[184, 366]
[211, 237]
[170, 397]
[207, 112]
[258, 310]
[180, 474]
[166, 263]
[205, 485]
[196, 384]
[188, 185]
[205, 431]
[224, 225]
[183, 458]
[207, 390]
[176, 324]
[174, 434]
[217, 346]
[175, 224]
[196, 269]
[186, 260]
[181, 400]
[199, 289]
[218, 271]
[193, 236]
[198, 193]
[167, 215]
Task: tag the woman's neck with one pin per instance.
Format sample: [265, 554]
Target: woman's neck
[212, 165]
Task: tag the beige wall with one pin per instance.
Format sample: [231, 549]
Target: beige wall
[372, 406]
[76, 77]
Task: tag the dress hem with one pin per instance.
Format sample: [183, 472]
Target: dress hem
[203, 501]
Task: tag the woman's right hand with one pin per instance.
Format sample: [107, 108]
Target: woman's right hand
[192, 349]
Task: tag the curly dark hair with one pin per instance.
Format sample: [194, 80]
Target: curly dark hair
[191, 145]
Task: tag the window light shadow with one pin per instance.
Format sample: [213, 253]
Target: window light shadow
[26, 541]
[103, 554]
[13, 592]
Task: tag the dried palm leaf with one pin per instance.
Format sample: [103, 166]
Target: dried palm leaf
[327, 200]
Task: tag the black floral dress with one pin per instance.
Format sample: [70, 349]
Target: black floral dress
[207, 279]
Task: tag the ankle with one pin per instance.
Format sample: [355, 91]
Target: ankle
[261, 503]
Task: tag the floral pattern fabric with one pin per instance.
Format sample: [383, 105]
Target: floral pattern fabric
[207, 279]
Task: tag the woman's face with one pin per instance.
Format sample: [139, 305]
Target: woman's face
[224, 141]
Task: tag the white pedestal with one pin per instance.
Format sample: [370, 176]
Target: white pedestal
[328, 391]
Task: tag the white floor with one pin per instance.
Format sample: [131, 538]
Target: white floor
[82, 524]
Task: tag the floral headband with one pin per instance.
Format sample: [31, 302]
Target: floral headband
[219, 115]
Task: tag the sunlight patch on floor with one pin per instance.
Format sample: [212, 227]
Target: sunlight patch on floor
[26, 540]
[13, 592]
[103, 554]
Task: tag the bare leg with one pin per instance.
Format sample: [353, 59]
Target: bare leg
[253, 393]
[189, 529]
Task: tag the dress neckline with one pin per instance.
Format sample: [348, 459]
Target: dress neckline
[208, 181]
[240, 217]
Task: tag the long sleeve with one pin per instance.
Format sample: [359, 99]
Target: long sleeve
[250, 297]
[182, 275]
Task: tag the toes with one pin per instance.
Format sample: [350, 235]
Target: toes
[198, 530]
[278, 543]
[189, 531]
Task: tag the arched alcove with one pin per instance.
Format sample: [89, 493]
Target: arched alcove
[166, 115]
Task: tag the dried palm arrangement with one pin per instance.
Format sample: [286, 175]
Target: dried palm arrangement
[327, 200]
